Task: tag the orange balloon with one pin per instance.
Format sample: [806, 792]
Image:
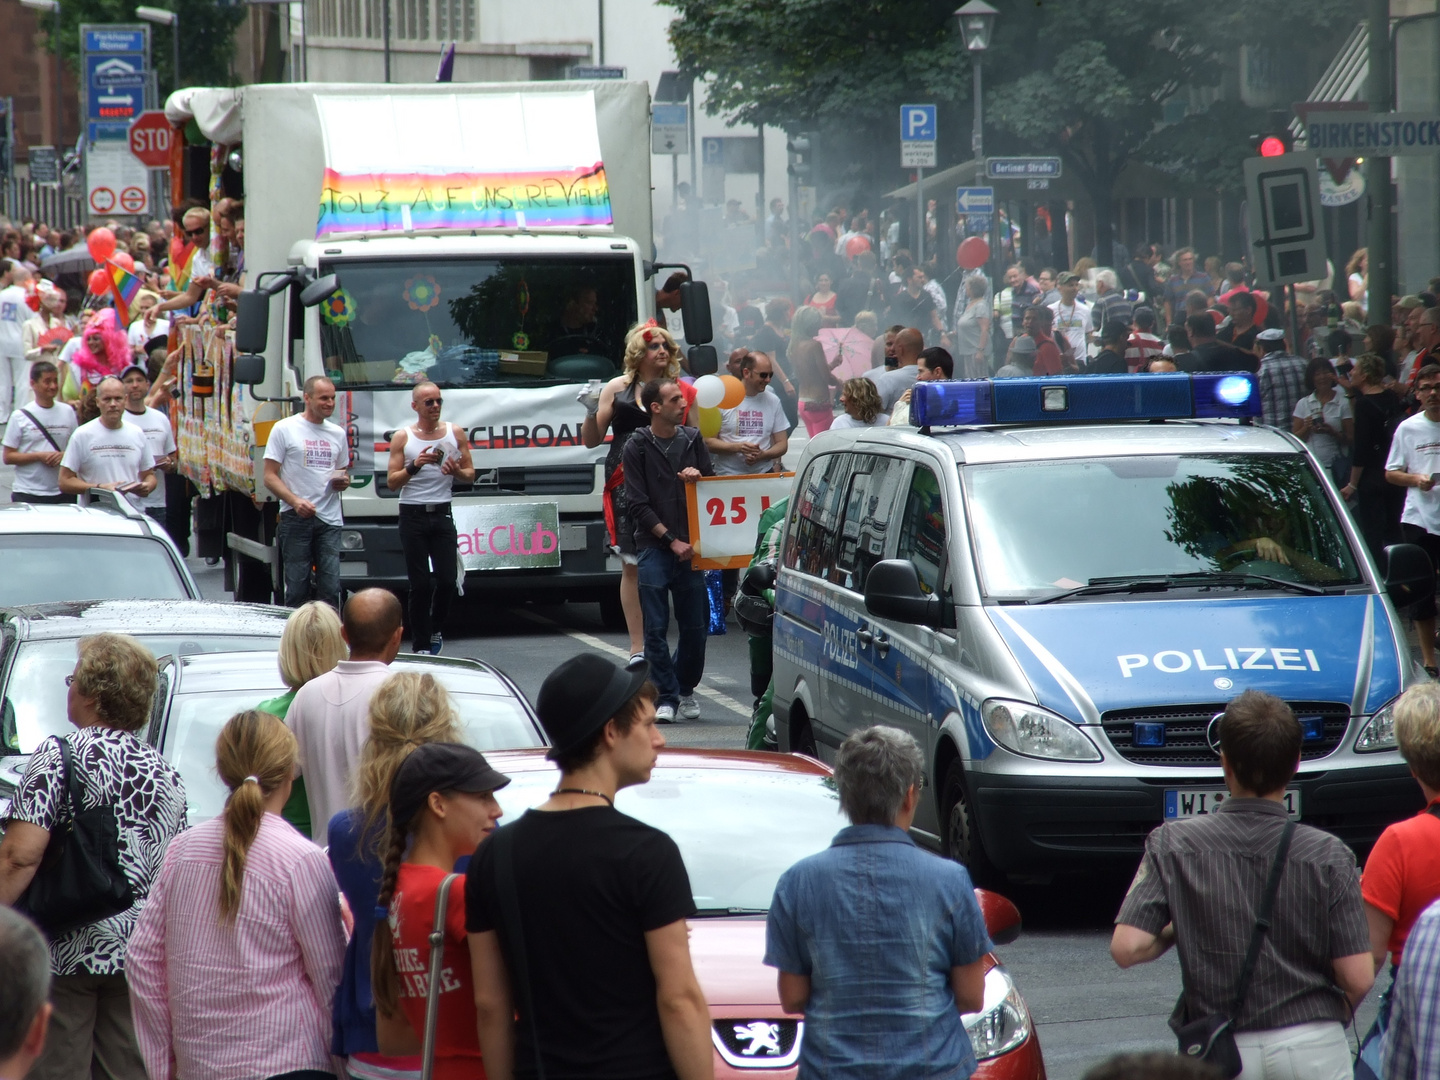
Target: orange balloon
[734, 392]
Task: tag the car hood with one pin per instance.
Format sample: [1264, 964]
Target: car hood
[729, 959]
[1084, 658]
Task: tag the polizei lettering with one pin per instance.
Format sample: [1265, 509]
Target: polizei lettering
[842, 646]
[1235, 658]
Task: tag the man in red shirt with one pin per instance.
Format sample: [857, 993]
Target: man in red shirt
[1038, 322]
[1402, 874]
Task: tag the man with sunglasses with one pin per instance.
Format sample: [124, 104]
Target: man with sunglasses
[198, 272]
[756, 433]
[425, 462]
[1414, 464]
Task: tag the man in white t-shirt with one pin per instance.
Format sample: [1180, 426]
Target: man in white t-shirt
[1072, 315]
[14, 314]
[108, 452]
[756, 433]
[306, 466]
[158, 433]
[1414, 463]
[36, 437]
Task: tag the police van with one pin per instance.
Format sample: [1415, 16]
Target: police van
[1057, 584]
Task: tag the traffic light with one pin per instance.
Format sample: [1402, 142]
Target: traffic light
[1276, 139]
[798, 147]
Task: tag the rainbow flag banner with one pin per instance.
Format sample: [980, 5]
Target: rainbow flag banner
[497, 161]
[124, 285]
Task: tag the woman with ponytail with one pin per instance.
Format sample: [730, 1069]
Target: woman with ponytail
[406, 711]
[236, 957]
[442, 806]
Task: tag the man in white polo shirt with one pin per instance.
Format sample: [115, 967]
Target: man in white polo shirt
[306, 466]
[108, 452]
[756, 433]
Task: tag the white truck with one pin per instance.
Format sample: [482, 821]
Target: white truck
[494, 239]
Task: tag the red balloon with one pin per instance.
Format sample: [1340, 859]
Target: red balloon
[972, 253]
[855, 245]
[99, 282]
[101, 243]
[123, 258]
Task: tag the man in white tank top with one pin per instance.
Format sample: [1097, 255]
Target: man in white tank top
[425, 461]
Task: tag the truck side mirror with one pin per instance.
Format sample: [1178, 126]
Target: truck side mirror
[248, 369]
[704, 360]
[892, 591]
[319, 290]
[252, 323]
[695, 310]
[1407, 574]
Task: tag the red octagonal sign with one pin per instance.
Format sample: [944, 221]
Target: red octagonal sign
[150, 137]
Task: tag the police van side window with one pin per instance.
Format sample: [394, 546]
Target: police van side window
[815, 516]
[922, 537]
[869, 505]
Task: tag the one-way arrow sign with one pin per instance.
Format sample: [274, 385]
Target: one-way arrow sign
[975, 200]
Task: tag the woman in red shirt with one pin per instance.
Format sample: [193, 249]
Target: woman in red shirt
[442, 805]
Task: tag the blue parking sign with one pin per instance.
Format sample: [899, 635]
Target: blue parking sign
[917, 123]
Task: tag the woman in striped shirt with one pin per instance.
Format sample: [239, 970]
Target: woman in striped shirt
[236, 957]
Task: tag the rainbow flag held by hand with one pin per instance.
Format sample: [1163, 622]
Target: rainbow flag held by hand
[124, 285]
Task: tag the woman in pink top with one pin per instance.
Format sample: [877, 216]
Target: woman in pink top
[236, 957]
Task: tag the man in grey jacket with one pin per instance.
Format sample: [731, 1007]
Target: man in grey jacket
[659, 462]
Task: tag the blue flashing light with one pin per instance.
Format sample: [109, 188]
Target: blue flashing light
[1312, 728]
[1149, 735]
[952, 403]
[1231, 394]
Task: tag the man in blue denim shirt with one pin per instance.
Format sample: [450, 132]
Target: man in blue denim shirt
[880, 944]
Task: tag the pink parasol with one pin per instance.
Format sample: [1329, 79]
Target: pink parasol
[851, 346]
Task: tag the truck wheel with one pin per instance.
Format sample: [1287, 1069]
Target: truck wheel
[802, 738]
[252, 581]
[612, 614]
[961, 832]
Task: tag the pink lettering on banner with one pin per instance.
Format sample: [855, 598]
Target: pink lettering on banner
[508, 539]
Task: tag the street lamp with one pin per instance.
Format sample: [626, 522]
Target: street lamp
[161, 17]
[53, 7]
[977, 22]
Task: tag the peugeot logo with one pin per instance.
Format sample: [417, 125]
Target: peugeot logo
[1212, 733]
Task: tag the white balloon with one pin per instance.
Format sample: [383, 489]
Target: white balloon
[709, 391]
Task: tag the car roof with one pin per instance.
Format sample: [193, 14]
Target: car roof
[216, 672]
[1036, 442]
[750, 761]
[171, 618]
[27, 519]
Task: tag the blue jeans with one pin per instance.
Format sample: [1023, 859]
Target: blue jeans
[306, 543]
[661, 577]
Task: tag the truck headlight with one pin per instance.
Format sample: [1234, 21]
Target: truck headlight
[351, 540]
[1036, 732]
[1379, 731]
[1003, 1022]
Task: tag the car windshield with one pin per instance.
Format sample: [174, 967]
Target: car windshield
[724, 821]
[60, 567]
[34, 706]
[490, 722]
[1042, 527]
[477, 322]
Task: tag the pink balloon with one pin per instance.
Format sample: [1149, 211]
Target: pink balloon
[101, 243]
[972, 253]
[123, 258]
[99, 282]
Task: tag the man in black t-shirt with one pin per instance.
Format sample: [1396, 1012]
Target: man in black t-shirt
[601, 902]
[1208, 354]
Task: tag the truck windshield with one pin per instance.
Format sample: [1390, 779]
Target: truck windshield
[477, 322]
[1043, 527]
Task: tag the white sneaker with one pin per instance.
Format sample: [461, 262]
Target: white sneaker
[636, 657]
[665, 714]
[689, 708]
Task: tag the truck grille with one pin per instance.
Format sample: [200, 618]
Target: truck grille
[1176, 734]
[531, 480]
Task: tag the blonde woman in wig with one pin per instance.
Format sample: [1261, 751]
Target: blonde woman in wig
[235, 960]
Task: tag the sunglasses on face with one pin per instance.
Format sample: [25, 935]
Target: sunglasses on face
[766, 375]
[202, 231]
[433, 401]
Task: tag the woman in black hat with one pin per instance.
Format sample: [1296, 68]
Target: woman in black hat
[442, 806]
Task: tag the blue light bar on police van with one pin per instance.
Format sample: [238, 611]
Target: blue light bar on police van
[1085, 399]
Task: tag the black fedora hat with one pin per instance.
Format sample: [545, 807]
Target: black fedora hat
[580, 695]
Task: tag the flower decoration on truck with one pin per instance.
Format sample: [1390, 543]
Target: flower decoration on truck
[422, 292]
[338, 309]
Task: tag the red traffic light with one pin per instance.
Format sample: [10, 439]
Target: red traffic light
[1272, 146]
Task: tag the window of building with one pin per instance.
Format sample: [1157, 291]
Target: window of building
[412, 20]
[455, 20]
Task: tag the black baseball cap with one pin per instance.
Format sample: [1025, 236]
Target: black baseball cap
[440, 767]
[582, 694]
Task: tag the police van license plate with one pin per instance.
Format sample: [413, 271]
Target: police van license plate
[1193, 802]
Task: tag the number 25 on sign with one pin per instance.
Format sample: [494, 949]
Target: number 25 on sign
[725, 514]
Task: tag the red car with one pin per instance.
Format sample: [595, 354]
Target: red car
[741, 819]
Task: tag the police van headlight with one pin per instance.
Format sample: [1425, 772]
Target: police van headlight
[1036, 732]
[1003, 1022]
[1379, 731]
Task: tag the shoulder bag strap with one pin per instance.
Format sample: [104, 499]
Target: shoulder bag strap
[1262, 921]
[437, 966]
[42, 429]
[504, 839]
[73, 788]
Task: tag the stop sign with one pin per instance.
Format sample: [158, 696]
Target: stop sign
[150, 137]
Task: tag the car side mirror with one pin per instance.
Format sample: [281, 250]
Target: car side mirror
[319, 290]
[252, 322]
[695, 310]
[1002, 918]
[704, 360]
[1407, 573]
[892, 591]
[248, 369]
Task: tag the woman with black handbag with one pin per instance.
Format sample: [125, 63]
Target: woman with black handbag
[86, 836]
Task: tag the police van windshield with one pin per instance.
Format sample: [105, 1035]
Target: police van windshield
[1043, 527]
[477, 322]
